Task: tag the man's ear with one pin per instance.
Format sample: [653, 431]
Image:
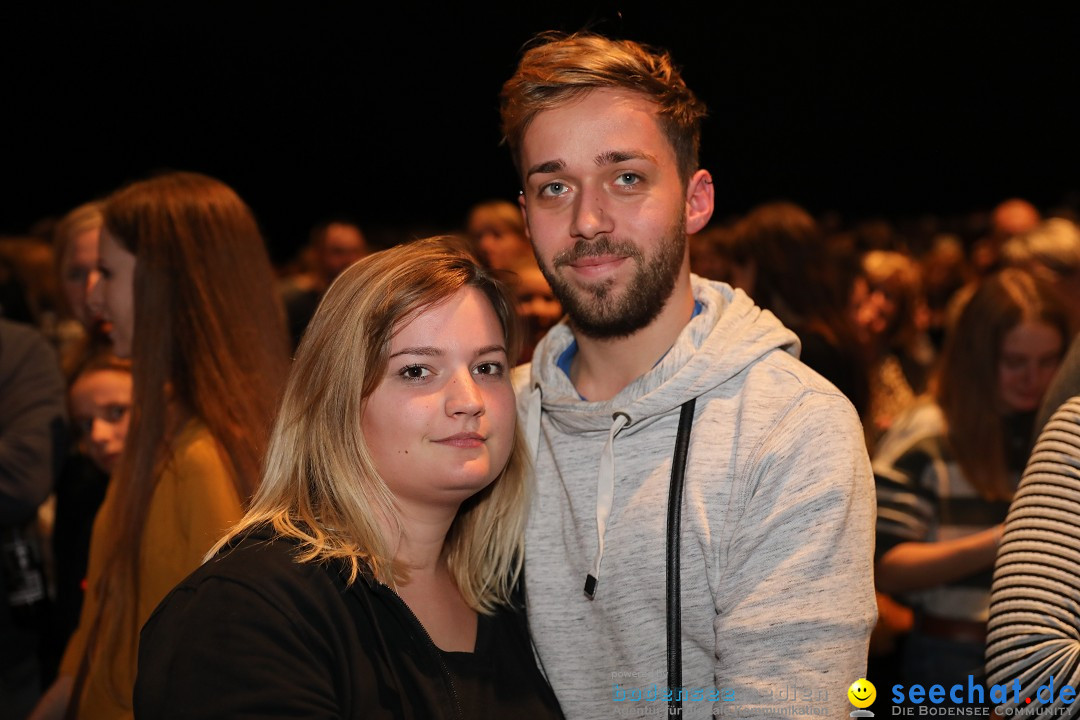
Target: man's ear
[524, 214]
[699, 201]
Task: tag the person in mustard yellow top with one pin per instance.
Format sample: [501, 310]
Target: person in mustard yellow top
[187, 287]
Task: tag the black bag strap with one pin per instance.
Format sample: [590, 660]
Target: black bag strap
[674, 523]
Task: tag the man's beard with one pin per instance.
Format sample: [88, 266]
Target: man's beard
[598, 310]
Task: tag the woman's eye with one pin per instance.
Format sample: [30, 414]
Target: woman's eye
[116, 413]
[414, 372]
[489, 368]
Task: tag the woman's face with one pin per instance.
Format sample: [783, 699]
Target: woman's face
[79, 273]
[1030, 354]
[112, 297]
[100, 405]
[536, 304]
[498, 244]
[875, 307]
[440, 425]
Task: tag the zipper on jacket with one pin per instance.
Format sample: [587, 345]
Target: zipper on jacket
[434, 648]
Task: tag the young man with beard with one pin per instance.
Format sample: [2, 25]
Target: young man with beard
[778, 501]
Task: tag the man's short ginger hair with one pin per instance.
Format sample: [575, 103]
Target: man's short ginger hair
[558, 68]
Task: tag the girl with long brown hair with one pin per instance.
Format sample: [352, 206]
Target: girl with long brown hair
[187, 286]
[948, 467]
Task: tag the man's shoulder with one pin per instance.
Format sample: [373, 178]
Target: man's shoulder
[25, 352]
[778, 381]
[794, 373]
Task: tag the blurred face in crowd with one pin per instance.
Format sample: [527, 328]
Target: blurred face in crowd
[875, 307]
[497, 243]
[79, 272]
[1030, 354]
[100, 407]
[342, 245]
[535, 299]
[537, 305]
[112, 297]
[440, 425]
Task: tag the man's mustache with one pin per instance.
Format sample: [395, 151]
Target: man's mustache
[600, 245]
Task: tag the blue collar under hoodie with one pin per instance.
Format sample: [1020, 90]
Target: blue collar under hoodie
[729, 334]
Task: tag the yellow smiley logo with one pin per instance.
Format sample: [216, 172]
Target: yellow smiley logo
[862, 693]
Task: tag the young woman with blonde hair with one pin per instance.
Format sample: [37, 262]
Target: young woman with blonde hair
[374, 574]
[187, 286]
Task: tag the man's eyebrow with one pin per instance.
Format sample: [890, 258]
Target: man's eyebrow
[612, 157]
[550, 166]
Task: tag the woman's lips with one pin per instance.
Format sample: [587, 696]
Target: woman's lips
[463, 440]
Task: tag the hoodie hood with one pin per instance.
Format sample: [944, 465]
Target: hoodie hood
[729, 334]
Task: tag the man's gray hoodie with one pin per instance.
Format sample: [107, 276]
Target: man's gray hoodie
[777, 525]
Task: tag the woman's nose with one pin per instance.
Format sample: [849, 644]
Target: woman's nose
[463, 396]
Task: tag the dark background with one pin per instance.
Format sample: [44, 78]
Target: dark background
[390, 114]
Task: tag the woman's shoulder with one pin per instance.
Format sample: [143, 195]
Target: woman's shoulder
[195, 452]
[259, 570]
[260, 558]
[252, 628]
[195, 500]
[197, 481]
[918, 425]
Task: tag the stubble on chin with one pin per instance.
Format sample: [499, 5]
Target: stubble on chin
[601, 311]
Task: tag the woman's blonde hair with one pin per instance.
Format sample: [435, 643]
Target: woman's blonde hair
[321, 486]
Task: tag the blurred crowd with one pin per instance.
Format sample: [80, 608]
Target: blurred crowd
[945, 333]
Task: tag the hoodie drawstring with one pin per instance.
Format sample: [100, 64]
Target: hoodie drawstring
[532, 423]
[605, 497]
[605, 479]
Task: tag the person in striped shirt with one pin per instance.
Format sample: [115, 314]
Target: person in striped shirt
[1034, 628]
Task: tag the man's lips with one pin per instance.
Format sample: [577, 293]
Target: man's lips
[463, 440]
[596, 264]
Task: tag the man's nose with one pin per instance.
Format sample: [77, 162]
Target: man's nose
[591, 217]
